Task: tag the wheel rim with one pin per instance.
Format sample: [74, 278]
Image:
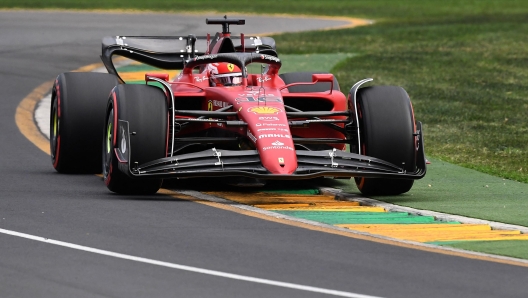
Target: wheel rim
[109, 137]
[107, 144]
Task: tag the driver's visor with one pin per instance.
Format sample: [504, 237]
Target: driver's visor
[228, 79]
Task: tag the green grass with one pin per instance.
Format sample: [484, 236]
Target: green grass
[464, 64]
[311, 62]
[380, 9]
[508, 248]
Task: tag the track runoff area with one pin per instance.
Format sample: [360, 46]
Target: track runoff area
[329, 210]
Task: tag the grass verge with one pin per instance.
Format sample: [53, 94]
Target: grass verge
[509, 248]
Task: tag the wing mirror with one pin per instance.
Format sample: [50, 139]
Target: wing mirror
[324, 77]
[161, 76]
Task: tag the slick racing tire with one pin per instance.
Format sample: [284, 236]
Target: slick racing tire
[77, 116]
[387, 128]
[296, 77]
[145, 109]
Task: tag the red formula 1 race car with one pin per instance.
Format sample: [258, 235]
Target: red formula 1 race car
[228, 113]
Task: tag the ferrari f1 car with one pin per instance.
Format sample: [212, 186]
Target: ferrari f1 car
[231, 113]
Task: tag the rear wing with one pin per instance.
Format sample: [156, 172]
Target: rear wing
[171, 52]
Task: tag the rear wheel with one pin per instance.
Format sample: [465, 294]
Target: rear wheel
[145, 110]
[77, 115]
[387, 130]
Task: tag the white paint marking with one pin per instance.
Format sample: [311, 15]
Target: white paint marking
[42, 115]
[188, 268]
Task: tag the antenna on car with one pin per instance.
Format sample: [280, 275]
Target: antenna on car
[191, 45]
[262, 75]
[262, 86]
[225, 22]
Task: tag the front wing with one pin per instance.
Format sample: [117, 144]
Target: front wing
[311, 164]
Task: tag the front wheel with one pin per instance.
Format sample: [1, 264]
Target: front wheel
[144, 109]
[387, 132]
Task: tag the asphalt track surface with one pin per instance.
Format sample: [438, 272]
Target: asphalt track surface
[169, 232]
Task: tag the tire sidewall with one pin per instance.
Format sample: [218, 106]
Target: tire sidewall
[387, 131]
[145, 110]
[79, 99]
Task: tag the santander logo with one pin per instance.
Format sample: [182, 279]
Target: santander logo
[277, 145]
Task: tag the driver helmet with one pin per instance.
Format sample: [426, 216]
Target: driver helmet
[224, 74]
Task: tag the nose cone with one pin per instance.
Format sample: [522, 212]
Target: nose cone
[268, 128]
[277, 153]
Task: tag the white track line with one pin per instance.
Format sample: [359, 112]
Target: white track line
[188, 268]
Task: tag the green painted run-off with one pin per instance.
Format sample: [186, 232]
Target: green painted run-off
[334, 218]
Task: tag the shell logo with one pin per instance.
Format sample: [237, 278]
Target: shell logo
[264, 110]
